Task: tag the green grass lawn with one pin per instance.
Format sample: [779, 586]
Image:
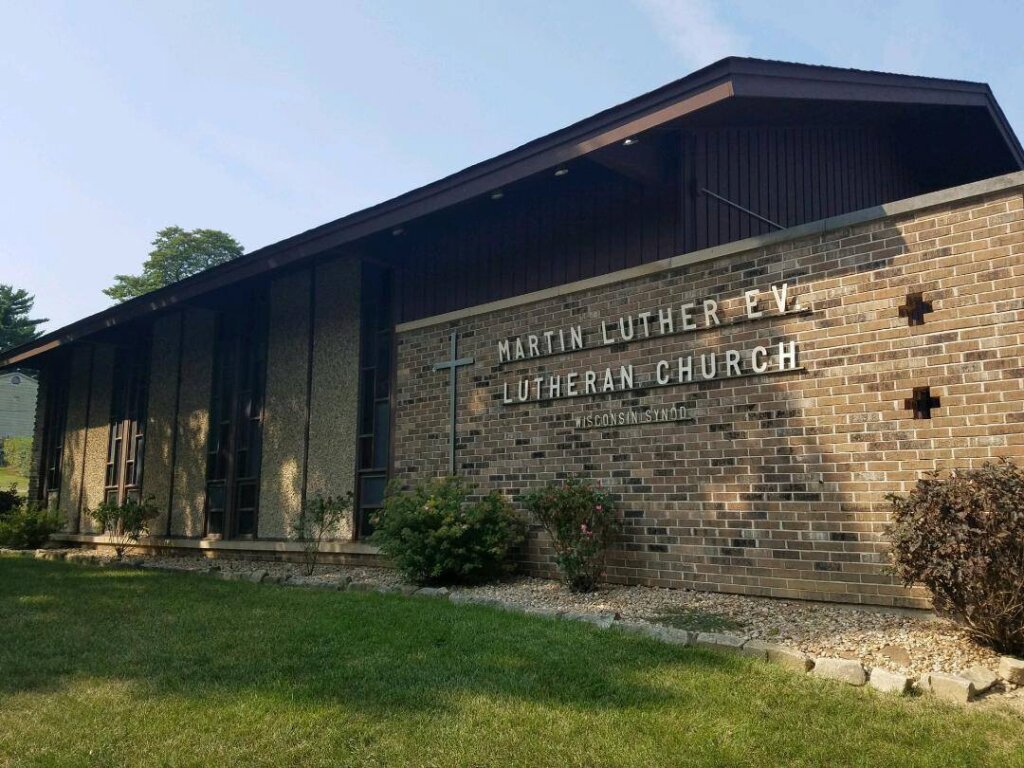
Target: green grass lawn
[8, 476]
[102, 667]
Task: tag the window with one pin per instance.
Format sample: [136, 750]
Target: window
[235, 448]
[375, 366]
[127, 435]
[54, 425]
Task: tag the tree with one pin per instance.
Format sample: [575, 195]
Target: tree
[176, 254]
[15, 325]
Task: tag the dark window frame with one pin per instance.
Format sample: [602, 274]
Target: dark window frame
[51, 457]
[237, 413]
[375, 411]
[126, 437]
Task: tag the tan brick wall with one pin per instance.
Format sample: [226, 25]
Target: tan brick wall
[777, 487]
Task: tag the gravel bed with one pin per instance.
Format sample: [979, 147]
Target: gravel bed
[912, 644]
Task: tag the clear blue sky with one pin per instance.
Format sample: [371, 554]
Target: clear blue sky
[267, 118]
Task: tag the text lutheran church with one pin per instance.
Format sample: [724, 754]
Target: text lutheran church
[751, 303]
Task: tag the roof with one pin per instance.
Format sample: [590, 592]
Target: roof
[8, 375]
[726, 79]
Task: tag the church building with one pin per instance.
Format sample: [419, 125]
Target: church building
[750, 303]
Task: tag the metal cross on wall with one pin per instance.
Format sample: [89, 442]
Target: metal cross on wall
[453, 364]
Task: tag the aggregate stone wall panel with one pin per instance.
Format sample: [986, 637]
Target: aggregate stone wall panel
[333, 399]
[73, 455]
[284, 423]
[97, 435]
[767, 484]
[193, 423]
[84, 461]
[161, 413]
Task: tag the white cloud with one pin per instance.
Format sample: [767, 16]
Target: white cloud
[694, 30]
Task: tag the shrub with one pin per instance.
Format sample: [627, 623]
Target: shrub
[125, 523]
[29, 526]
[582, 523]
[435, 535]
[10, 501]
[962, 537]
[318, 520]
[17, 454]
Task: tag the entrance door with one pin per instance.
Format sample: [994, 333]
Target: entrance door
[235, 447]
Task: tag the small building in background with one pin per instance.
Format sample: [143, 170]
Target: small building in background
[17, 404]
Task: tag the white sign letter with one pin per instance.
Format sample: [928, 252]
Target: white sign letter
[750, 297]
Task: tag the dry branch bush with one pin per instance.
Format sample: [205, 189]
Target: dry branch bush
[125, 523]
[962, 537]
[320, 518]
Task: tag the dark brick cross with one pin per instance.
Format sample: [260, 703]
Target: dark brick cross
[915, 309]
[921, 403]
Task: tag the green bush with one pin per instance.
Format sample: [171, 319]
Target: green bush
[125, 523]
[318, 520]
[17, 454]
[10, 501]
[23, 525]
[434, 535]
[962, 537]
[581, 520]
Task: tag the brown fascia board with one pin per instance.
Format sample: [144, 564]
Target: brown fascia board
[782, 80]
[722, 80]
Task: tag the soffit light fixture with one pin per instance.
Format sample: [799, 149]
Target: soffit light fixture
[561, 172]
[630, 141]
[497, 195]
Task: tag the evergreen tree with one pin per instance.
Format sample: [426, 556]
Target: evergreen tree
[16, 327]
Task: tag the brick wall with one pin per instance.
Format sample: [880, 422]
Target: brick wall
[776, 487]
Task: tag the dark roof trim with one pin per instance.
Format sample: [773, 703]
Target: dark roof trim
[717, 82]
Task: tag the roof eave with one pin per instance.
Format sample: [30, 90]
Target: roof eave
[725, 79]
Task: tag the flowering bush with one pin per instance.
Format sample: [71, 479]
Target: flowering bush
[962, 536]
[581, 520]
[434, 535]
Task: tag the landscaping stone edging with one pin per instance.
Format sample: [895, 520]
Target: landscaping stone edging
[960, 689]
